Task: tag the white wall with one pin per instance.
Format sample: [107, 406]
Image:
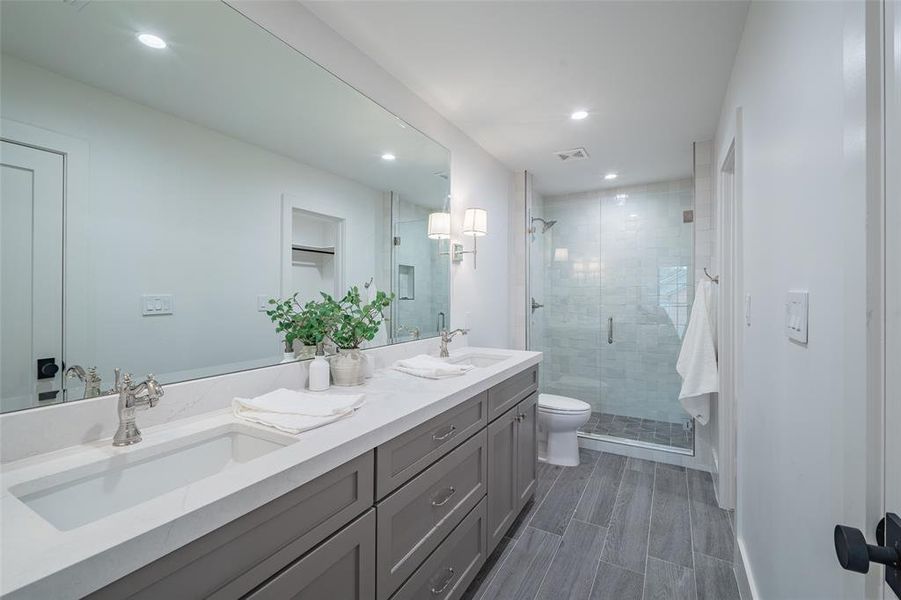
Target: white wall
[175, 208]
[798, 79]
[477, 179]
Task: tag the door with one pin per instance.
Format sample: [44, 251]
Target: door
[526, 449]
[31, 255]
[502, 466]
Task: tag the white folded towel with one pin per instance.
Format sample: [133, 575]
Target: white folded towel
[697, 360]
[430, 367]
[295, 411]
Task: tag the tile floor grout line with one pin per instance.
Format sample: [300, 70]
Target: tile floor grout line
[597, 566]
[551, 562]
[619, 488]
[691, 533]
[647, 548]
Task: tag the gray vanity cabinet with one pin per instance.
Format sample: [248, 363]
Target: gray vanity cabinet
[341, 568]
[502, 468]
[510, 392]
[415, 518]
[410, 453]
[512, 466]
[234, 559]
[526, 450]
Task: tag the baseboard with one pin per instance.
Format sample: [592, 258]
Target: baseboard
[743, 575]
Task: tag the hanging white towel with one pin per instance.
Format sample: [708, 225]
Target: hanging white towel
[697, 359]
[430, 367]
[293, 411]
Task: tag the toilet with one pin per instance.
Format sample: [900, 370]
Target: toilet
[559, 418]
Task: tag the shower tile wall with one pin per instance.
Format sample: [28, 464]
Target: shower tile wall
[623, 253]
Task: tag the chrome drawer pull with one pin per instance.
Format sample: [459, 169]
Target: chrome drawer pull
[448, 432]
[450, 492]
[447, 582]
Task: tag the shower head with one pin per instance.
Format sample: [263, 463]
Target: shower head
[545, 225]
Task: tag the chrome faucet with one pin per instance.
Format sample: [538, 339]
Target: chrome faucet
[446, 337]
[89, 378]
[132, 397]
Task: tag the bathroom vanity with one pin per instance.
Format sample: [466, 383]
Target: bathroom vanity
[436, 473]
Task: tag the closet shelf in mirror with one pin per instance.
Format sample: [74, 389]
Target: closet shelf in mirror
[316, 249]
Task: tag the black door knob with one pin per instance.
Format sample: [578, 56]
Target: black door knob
[855, 554]
[47, 368]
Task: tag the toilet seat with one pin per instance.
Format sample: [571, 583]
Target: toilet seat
[551, 403]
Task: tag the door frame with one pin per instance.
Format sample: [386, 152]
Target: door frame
[886, 195]
[729, 227]
[76, 201]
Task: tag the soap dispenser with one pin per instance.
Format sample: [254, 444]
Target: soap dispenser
[319, 371]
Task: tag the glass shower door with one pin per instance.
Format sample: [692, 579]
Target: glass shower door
[646, 253]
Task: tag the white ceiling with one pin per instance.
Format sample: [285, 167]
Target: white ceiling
[652, 74]
[224, 72]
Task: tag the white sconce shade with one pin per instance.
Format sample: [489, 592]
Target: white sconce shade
[561, 254]
[439, 226]
[475, 222]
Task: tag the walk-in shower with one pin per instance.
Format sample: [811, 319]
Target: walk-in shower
[609, 289]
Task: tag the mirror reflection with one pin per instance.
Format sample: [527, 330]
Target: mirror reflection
[167, 170]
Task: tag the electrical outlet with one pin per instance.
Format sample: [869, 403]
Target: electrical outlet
[157, 304]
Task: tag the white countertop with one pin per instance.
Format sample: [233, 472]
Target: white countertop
[40, 561]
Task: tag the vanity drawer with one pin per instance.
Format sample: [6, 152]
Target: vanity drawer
[341, 568]
[450, 569]
[408, 454]
[413, 520]
[234, 559]
[506, 394]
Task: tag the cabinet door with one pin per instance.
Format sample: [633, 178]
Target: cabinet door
[526, 449]
[343, 567]
[502, 467]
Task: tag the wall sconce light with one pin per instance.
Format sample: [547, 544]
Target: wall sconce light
[439, 226]
[475, 225]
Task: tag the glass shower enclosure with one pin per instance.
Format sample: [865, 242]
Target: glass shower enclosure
[609, 290]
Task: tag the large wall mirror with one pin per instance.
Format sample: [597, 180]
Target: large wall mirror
[157, 192]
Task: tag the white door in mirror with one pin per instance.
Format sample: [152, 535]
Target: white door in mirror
[31, 252]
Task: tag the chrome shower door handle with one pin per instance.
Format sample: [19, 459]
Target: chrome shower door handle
[610, 330]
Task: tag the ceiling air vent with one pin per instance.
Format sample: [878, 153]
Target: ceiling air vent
[572, 155]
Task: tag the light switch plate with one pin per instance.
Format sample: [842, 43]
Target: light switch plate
[157, 304]
[796, 316]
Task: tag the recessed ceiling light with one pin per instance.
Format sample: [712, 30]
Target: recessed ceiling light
[152, 41]
[579, 115]
[610, 176]
[388, 156]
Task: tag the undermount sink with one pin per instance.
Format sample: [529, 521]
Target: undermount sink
[102, 488]
[479, 360]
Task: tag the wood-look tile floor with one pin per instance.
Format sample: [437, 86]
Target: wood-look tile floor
[614, 528]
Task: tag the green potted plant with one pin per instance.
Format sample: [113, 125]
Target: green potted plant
[354, 322]
[284, 314]
[308, 325]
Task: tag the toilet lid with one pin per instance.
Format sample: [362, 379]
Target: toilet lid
[556, 403]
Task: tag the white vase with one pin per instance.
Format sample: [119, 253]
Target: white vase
[368, 365]
[319, 374]
[347, 367]
[288, 357]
